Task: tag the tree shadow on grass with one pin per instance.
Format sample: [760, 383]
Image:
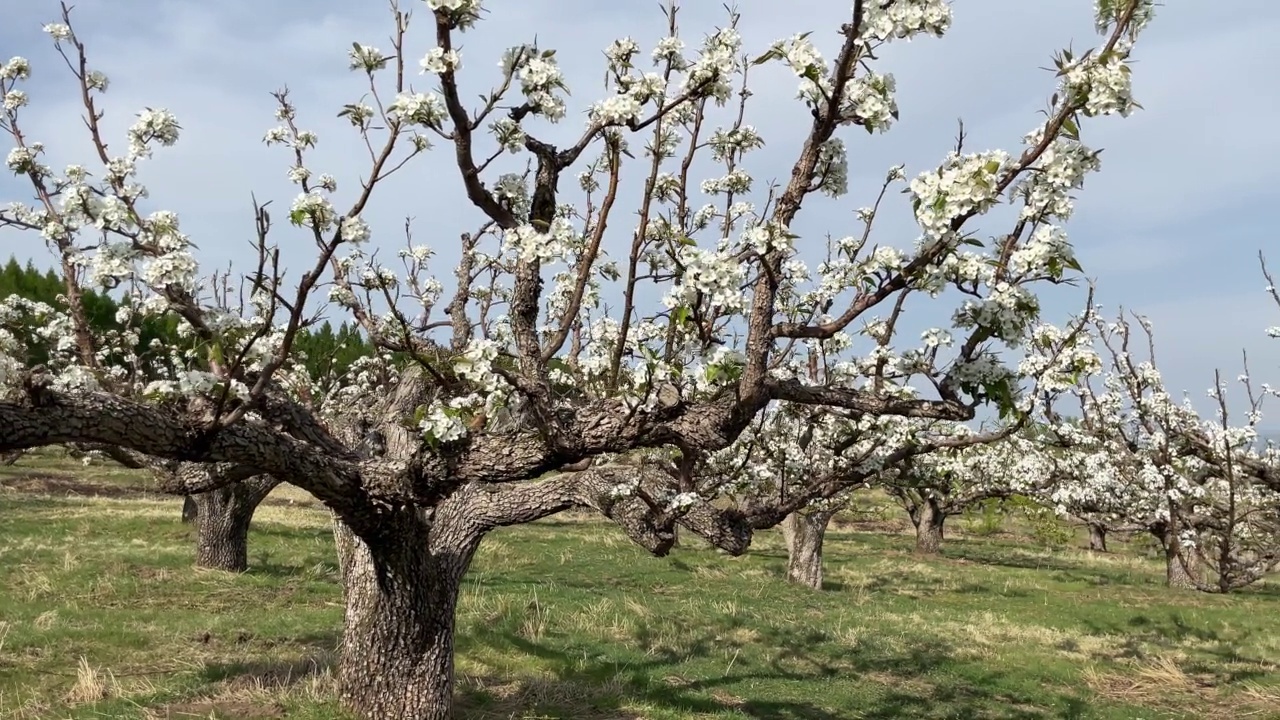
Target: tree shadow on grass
[288, 534]
[1063, 569]
[921, 681]
[273, 668]
[263, 564]
[1265, 589]
[250, 689]
[1170, 630]
[908, 582]
[274, 674]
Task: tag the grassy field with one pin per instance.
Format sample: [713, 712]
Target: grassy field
[102, 616]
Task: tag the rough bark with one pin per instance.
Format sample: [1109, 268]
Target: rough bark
[401, 575]
[929, 519]
[189, 510]
[287, 440]
[804, 533]
[1097, 537]
[1180, 567]
[222, 522]
[401, 594]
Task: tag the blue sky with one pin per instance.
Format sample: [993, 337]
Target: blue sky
[1170, 228]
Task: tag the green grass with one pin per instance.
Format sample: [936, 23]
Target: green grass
[102, 615]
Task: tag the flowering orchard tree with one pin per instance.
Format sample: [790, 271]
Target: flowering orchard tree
[1201, 486]
[937, 486]
[812, 463]
[1089, 486]
[222, 515]
[805, 463]
[531, 376]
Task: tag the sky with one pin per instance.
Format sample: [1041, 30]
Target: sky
[1170, 228]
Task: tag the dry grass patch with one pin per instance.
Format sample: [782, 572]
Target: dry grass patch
[1161, 682]
[1264, 695]
[912, 685]
[481, 697]
[989, 631]
[1157, 682]
[92, 685]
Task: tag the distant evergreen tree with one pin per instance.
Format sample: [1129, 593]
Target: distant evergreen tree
[329, 352]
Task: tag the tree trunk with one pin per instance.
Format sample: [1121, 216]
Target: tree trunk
[401, 596]
[1097, 537]
[1179, 568]
[804, 533]
[189, 510]
[222, 522]
[929, 521]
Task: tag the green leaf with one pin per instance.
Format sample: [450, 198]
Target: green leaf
[681, 315]
[734, 371]
[770, 55]
[559, 364]
[1070, 129]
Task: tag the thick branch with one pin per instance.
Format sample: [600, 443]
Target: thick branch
[650, 527]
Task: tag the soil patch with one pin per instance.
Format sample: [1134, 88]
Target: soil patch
[219, 710]
[48, 484]
[38, 483]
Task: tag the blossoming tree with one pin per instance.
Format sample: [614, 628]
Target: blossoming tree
[938, 486]
[222, 515]
[1201, 486]
[531, 376]
[810, 461]
[813, 464]
[806, 463]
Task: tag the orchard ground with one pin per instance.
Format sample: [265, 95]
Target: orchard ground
[102, 615]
